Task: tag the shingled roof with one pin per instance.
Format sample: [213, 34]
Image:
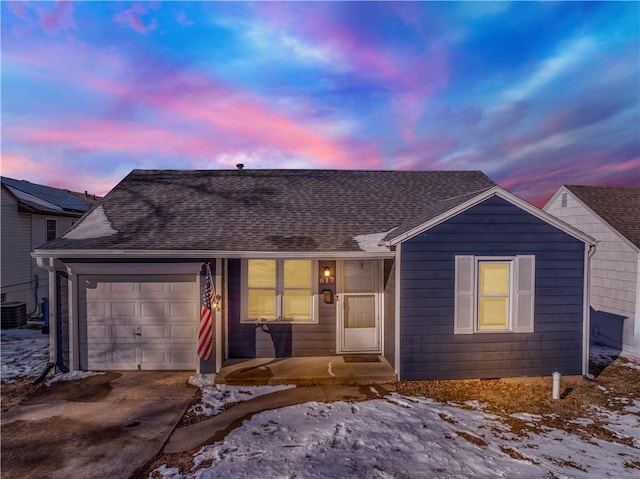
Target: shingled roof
[267, 210]
[42, 199]
[619, 207]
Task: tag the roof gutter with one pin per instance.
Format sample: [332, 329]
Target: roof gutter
[199, 254]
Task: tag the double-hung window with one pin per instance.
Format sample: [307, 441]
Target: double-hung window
[278, 290]
[51, 229]
[494, 294]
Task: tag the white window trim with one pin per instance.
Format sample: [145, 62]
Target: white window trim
[244, 269]
[46, 228]
[510, 260]
[466, 294]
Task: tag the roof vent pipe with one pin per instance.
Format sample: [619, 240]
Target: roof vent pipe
[240, 166]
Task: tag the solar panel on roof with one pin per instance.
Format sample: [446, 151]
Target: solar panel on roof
[61, 198]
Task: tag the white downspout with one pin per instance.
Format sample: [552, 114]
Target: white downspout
[589, 251]
[636, 325]
[396, 359]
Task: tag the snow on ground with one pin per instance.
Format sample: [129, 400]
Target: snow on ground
[403, 437]
[72, 376]
[23, 353]
[412, 437]
[397, 436]
[215, 397]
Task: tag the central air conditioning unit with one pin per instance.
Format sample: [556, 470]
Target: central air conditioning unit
[14, 315]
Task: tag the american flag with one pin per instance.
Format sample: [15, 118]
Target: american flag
[205, 333]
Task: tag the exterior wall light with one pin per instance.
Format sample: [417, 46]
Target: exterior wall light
[326, 276]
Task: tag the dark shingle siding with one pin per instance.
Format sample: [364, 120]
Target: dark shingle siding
[268, 210]
[620, 207]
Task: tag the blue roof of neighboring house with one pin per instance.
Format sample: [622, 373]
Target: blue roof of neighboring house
[46, 199]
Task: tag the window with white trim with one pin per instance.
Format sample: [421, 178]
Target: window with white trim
[51, 229]
[278, 290]
[494, 294]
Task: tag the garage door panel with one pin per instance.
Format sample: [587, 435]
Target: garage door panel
[182, 310]
[123, 310]
[154, 332]
[188, 288]
[123, 333]
[180, 356]
[152, 289]
[153, 355]
[138, 322]
[120, 358]
[98, 332]
[123, 290]
[181, 332]
[99, 310]
[153, 310]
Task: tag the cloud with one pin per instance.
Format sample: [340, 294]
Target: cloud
[59, 174]
[182, 19]
[408, 70]
[18, 10]
[133, 17]
[570, 55]
[195, 118]
[60, 18]
[276, 41]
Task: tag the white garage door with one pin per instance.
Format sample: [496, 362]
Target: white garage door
[137, 322]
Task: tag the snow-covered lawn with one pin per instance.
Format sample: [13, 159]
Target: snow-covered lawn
[23, 353]
[401, 436]
[407, 437]
[215, 398]
[397, 436]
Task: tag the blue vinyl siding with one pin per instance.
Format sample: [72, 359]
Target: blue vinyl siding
[278, 340]
[495, 227]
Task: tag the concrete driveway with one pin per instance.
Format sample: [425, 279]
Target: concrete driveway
[100, 427]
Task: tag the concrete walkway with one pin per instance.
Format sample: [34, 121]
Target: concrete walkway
[100, 427]
[325, 370]
[216, 428]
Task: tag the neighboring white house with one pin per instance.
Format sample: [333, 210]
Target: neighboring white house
[31, 215]
[611, 215]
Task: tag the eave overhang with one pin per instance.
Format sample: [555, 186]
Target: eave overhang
[199, 254]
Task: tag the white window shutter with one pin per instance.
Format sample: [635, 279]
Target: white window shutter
[464, 295]
[525, 280]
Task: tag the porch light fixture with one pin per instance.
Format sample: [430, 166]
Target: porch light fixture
[326, 276]
[215, 302]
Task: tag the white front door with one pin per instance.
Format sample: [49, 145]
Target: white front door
[359, 309]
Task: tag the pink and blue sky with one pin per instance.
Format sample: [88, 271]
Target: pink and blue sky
[534, 94]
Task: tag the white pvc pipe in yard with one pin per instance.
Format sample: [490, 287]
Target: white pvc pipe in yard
[556, 386]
